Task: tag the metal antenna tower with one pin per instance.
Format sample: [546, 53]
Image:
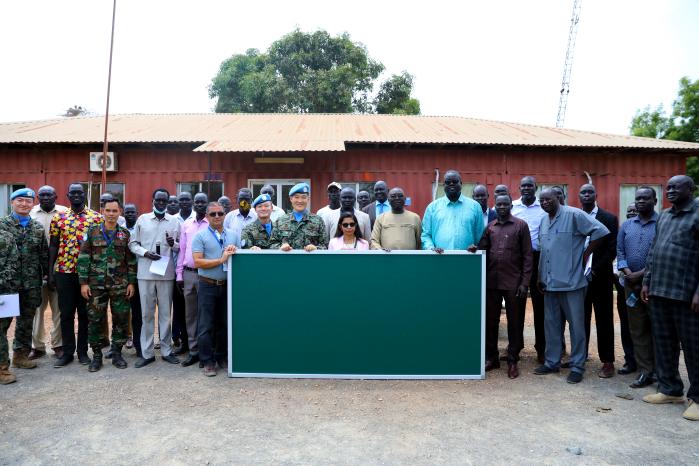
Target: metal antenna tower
[565, 84]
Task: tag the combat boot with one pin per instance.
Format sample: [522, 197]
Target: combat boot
[96, 363]
[6, 377]
[20, 359]
[118, 360]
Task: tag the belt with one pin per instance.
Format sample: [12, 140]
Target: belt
[211, 281]
[190, 269]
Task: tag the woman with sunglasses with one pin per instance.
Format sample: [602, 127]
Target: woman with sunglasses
[347, 235]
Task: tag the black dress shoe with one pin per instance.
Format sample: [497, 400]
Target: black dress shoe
[490, 365]
[191, 359]
[84, 359]
[643, 380]
[144, 362]
[95, 364]
[171, 358]
[626, 369]
[63, 361]
[118, 361]
[179, 351]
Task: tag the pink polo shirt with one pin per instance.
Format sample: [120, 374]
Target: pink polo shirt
[188, 231]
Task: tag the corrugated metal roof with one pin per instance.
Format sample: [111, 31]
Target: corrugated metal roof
[225, 132]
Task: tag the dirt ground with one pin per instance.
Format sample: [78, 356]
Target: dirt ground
[165, 414]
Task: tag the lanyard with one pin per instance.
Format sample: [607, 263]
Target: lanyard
[106, 237]
[220, 240]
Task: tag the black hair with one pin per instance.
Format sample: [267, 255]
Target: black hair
[163, 190]
[348, 214]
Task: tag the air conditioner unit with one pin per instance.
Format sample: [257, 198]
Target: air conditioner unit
[96, 162]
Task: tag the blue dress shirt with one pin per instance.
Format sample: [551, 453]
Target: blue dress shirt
[452, 225]
[634, 241]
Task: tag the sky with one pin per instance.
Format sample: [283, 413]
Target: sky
[495, 59]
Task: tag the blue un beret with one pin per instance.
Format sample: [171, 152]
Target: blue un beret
[260, 199]
[24, 192]
[300, 188]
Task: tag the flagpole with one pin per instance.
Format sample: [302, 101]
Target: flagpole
[106, 113]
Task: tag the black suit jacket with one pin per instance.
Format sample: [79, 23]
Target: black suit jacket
[603, 257]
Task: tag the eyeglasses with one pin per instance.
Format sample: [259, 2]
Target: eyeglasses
[348, 225]
[216, 214]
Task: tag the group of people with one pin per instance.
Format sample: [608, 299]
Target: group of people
[171, 262]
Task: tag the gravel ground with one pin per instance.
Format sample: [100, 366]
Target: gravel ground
[164, 414]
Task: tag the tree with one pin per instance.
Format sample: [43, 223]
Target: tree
[75, 110]
[394, 96]
[681, 125]
[302, 73]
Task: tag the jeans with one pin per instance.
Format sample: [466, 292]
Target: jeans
[213, 322]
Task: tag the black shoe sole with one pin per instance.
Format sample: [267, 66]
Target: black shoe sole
[145, 363]
[60, 363]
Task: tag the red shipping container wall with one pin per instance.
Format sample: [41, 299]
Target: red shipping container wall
[145, 167]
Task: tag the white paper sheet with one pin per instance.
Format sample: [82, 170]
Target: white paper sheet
[159, 267]
[9, 305]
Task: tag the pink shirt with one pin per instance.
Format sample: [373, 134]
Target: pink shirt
[338, 244]
[188, 230]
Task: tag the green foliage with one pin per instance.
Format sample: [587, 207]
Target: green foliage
[394, 96]
[304, 73]
[681, 125]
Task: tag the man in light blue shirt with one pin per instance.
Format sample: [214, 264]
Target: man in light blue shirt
[562, 237]
[241, 217]
[453, 221]
[211, 248]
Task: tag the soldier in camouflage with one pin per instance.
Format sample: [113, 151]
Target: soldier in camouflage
[33, 264]
[299, 229]
[9, 284]
[256, 236]
[107, 276]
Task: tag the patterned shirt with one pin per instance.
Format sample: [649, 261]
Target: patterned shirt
[672, 267]
[33, 251]
[255, 234]
[298, 234]
[70, 228]
[633, 242]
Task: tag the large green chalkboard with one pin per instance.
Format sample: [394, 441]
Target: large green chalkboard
[403, 314]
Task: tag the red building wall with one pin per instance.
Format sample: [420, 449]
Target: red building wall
[145, 167]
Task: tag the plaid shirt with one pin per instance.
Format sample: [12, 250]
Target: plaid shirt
[672, 267]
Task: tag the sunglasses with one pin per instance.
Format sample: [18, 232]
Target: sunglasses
[216, 214]
[348, 225]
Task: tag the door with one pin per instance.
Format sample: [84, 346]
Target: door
[281, 191]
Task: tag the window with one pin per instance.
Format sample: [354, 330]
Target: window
[466, 189]
[93, 192]
[367, 186]
[281, 191]
[627, 195]
[543, 186]
[5, 191]
[213, 189]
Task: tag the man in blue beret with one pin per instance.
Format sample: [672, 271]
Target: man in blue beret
[256, 235]
[33, 264]
[300, 229]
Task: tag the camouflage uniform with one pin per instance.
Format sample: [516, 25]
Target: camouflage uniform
[33, 266]
[310, 230]
[108, 269]
[9, 283]
[255, 234]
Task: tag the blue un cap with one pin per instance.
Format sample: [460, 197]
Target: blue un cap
[23, 192]
[300, 188]
[260, 199]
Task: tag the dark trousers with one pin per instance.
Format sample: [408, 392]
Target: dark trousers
[674, 322]
[600, 295]
[515, 335]
[213, 323]
[179, 324]
[69, 301]
[626, 338]
[642, 334]
[136, 320]
[538, 305]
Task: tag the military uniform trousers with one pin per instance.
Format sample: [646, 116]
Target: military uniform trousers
[155, 292]
[48, 298]
[674, 322]
[28, 301]
[191, 292]
[114, 299]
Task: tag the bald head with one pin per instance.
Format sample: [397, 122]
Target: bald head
[47, 198]
[680, 190]
[501, 189]
[480, 195]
